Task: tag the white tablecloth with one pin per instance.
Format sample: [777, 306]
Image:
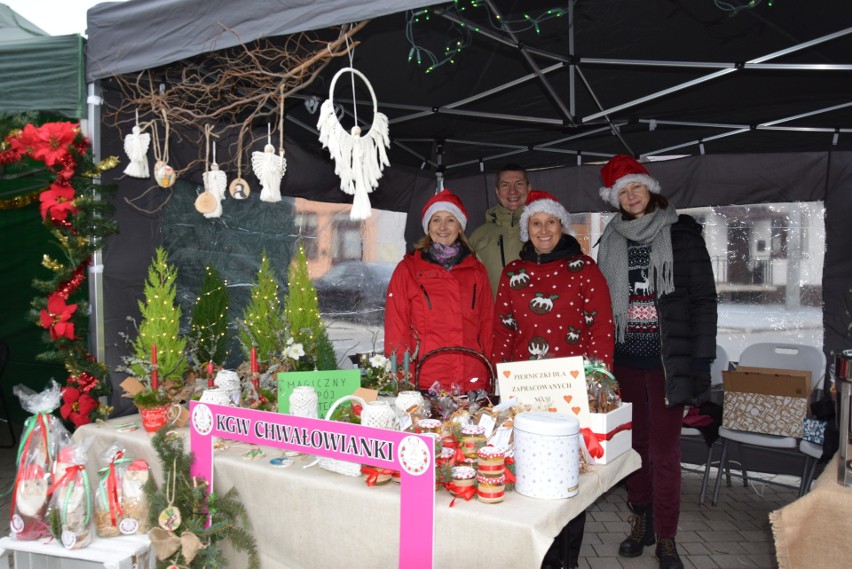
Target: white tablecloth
[308, 518]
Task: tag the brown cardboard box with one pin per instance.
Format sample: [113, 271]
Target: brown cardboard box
[766, 400]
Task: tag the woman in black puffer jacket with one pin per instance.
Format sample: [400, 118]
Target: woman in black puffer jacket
[664, 309]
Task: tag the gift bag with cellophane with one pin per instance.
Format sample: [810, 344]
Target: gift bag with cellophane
[120, 504]
[70, 510]
[42, 438]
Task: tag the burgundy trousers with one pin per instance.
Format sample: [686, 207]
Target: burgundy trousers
[656, 437]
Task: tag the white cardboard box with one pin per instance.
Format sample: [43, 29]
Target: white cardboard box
[613, 431]
[123, 552]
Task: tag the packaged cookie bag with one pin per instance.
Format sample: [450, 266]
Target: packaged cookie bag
[42, 437]
[70, 511]
[120, 505]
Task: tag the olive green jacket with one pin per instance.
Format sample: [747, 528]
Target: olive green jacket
[497, 242]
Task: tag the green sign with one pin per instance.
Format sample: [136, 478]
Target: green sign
[330, 386]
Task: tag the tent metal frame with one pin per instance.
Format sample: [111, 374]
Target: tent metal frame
[604, 116]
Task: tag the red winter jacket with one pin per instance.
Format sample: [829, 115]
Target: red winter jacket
[445, 308]
[553, 307]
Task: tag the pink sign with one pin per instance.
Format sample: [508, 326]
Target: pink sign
[411, 454]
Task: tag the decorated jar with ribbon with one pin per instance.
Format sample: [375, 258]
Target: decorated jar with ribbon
[490, 461]
[215, 396]
[229, 381]
[490, 489]
[472, 439]
[463, 477]
[429, 426]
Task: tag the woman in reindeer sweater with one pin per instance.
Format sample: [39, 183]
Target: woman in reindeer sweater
[553, 302]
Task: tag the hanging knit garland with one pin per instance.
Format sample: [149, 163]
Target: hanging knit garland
[136, 147]
[358, 160]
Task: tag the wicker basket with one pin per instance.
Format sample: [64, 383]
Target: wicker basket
[419, 363]
[332, 464]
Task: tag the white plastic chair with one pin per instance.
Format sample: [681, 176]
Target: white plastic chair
[719, 364]
[773, 355]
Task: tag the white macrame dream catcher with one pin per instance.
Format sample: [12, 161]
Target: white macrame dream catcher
[358, 160]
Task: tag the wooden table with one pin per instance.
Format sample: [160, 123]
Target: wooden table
[307, 518]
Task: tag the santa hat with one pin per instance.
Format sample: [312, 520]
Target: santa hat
[542, 202]
[620, 171]
[445, 200]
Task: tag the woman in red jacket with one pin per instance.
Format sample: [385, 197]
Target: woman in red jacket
[439, 296]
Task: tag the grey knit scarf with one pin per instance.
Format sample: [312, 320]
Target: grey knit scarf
[651, 229]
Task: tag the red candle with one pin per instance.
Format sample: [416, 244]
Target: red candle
[211, 369]
[254, 367]
[154, 383]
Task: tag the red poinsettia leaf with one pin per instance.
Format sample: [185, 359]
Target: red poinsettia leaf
[46, 319]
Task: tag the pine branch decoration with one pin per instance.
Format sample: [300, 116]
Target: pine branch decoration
[229, 520]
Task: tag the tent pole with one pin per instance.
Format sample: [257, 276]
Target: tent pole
[96, 284]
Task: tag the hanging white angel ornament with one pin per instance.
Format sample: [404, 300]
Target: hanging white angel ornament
[136, 147]
[215, 182]
[358, 160]
[269, 168]
[209, 202]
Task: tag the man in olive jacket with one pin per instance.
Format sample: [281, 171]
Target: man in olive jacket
[497, 242]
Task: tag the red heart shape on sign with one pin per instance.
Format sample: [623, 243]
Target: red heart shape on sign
[574, 373]
[507, 373]
[568, 398]
[576, 410]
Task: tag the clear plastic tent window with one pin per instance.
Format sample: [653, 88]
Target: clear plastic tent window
[767, 261]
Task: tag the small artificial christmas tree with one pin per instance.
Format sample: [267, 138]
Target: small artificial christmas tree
[209, 323]
[160, 324]
[190, 542]
[301, 310]
[263, 325]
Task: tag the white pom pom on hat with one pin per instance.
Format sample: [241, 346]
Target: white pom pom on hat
[445, 200]
[620, 171]
[542, 202]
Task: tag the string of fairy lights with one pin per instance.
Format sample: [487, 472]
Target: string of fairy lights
[460, 36]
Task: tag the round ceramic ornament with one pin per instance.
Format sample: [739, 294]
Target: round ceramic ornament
[164, 174]
[239, 189]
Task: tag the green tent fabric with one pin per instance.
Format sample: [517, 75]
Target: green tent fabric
[40, 72]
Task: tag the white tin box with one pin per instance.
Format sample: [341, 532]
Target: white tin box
[547, 455]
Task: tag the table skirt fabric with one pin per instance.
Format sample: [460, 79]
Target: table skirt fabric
[306, 518]
[814, 530]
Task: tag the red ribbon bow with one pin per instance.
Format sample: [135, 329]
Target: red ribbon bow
[466, 492]
[593, 440]
[70, 473]
[373, 473]
[112, 490]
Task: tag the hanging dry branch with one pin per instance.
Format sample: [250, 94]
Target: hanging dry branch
[238, 89]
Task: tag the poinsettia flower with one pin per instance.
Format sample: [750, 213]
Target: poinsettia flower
[54, 138]
[77, 406]
[48, 143]
[58, 201]
[56, 317]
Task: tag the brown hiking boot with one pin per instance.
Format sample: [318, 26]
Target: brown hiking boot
[666, 554]
[641, 531]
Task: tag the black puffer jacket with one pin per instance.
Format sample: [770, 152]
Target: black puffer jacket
[688, 318]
